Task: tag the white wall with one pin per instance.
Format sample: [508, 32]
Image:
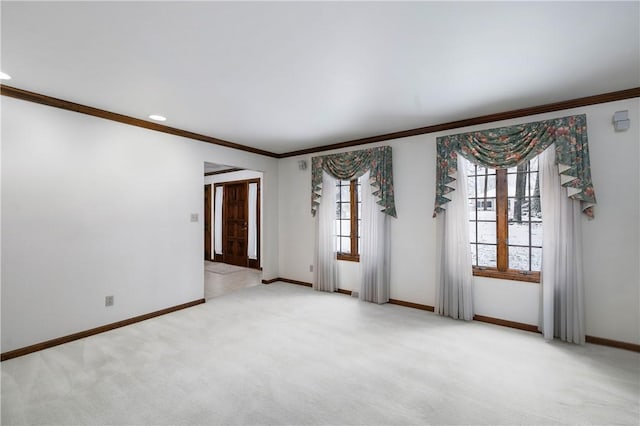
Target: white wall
[92, 208]
[611, 241]
[232, 177]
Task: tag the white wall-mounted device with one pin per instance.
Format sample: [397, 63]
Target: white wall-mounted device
[621, 120]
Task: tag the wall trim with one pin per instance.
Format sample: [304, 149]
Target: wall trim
[506, 323]
[38, 98]
[82, 334]
[506, 115]
[286, 280]
[296, 282]
[523, 112]
[613, 343]
[411, 305]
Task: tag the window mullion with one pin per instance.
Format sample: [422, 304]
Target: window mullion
[502, 218]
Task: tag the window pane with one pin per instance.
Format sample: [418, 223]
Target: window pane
[345, 192]
[345, 211]
[536, 209]
[471, 186]
[519, 233]
[487, 255]
[518, 209]
[472, 232]
[515, 179]
[345, 228]
[533, 164]
[474, 255]
[486, 182]
[536, 259]
[486, 205]
[519, 258]
[525, 181]
[487, 232]
[536, 234]
[533, 181]
[490, 212]
[345, 242]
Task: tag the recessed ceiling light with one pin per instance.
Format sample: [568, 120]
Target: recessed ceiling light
[157, 117]
[4, 76]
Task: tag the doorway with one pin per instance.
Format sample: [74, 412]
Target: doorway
[232, 223]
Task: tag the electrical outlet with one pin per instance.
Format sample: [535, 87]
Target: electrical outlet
[310, 268]
[108, 301]
[194, 217]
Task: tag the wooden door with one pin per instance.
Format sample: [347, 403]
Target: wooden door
[207, 222]
[234, 225]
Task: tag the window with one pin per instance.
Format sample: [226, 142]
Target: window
[505, 225]
[348, 203]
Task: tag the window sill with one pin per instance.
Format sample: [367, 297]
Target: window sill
[511, 274]
[349, 257]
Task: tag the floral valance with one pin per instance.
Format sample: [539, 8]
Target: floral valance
[506, 147]
[352, 165]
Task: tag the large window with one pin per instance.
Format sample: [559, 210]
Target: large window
[505, 221]
[348, 203]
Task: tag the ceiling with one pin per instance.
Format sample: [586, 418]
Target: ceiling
[284, 76]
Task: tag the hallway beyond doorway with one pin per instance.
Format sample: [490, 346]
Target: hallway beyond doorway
[220, 278]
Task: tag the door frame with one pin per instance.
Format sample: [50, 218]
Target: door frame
[251, 263]
[207, 221]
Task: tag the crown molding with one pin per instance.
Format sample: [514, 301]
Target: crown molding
[108, 115]
[38, 98]
[517, 113]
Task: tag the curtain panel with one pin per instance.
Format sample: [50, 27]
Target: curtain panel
[506, 147]
[352, 165]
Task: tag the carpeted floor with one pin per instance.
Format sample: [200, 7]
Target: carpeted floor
[285, 354]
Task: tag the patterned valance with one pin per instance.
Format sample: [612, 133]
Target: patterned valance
[352, 165]
[506, 147]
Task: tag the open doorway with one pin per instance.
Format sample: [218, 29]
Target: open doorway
[232, 228]
[236, 222]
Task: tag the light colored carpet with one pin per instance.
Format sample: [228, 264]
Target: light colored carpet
[222, 268]
[284, 354]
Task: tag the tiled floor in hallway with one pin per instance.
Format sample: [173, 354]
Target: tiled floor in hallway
[220, 278]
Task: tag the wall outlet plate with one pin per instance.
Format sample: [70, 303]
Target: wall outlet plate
[194, 217]
[108, 301]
